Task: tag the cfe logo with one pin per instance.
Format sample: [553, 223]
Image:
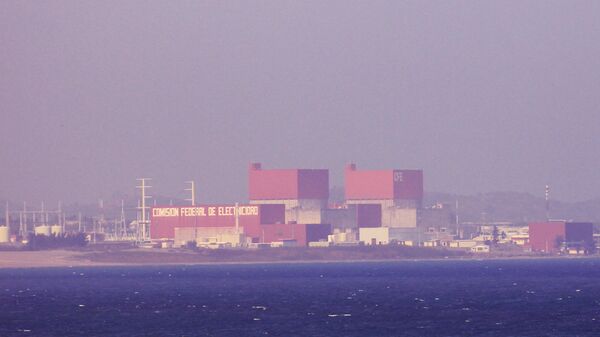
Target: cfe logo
[397, 176]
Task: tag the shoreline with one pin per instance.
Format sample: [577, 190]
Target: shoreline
[70, 259]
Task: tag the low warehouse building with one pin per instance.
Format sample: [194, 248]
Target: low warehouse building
[387, 235]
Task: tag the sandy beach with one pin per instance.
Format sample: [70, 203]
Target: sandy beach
[53, 258]
[136, 256]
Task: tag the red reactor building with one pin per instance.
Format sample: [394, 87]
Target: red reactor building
[287, 184]
[390, 198]
[383, 184]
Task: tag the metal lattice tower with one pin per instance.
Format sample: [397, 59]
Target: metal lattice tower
[143, 208]
[192, 190]
[123, 229]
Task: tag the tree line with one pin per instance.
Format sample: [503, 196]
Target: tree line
[55, 241]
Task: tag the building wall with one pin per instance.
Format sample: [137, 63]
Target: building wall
[579, 232]
[164, 220]
[299, 211]
[302, 233]
[271, 213]
[374, 235]
[408, 184]
[317, 232]
[384, 235]
[313, 184]
[387, 203]
[281, 184]
[272, 184]
[391, 214]
[543, 236]
[368, 184]
[368, 215]
[208, 234]
[383, 184]
[415, 235]
[399, 217]
[341, 218]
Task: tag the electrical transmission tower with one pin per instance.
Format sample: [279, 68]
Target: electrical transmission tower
[192, 190]
[143, 208]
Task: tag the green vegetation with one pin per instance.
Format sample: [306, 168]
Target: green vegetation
[44, 242]
[204, 255]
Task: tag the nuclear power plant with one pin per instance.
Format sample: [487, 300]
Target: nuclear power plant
[291, 207]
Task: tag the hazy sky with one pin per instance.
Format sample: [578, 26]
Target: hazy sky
[481, 95]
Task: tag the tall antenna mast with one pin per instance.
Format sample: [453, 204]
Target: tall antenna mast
[123, 230]
[60, 216]
[548, 202]
[456, 219]
[143, 207]
[20, 223]
[101, 220]
[192, 190]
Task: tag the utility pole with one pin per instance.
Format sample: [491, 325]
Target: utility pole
[7, 218]
[60, 217]
[192, 190]
[237, 219]
[137, 223]
[143, 208]
[23, 229]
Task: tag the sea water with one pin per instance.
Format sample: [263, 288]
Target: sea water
[549, 297]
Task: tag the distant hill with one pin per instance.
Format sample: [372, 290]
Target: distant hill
[485, 207]
[515, 207]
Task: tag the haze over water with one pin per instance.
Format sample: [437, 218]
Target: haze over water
[482, 96]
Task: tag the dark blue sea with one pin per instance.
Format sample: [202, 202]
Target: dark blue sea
[414, 298]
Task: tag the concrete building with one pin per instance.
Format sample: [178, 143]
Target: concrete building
[556, 236]
[304, 192]
[203, 236]
[387, 235]
[399, 193]
[247, 217]
[233, 224]
[4, 234]
[302, 234]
